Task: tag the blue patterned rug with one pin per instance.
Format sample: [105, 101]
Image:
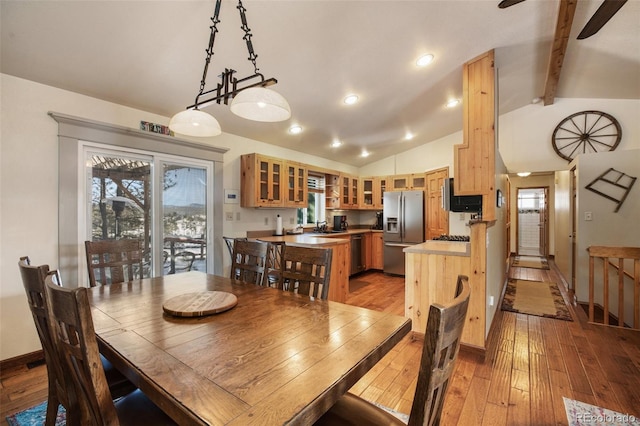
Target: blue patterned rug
[36, 416]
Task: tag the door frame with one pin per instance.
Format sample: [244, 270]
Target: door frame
[545, 224]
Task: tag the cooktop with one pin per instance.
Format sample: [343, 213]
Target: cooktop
[445, 237]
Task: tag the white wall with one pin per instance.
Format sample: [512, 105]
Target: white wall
[525, 134]
[607, 228]
[29, 187]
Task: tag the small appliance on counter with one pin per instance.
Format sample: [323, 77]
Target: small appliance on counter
[378, 224]
[340, 223]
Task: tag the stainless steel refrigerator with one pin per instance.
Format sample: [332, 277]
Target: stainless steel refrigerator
[403, 226]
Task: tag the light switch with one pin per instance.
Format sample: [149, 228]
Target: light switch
[229, 216]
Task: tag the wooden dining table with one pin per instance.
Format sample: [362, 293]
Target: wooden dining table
[274, 358]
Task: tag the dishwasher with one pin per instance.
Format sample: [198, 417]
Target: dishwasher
[357, 264]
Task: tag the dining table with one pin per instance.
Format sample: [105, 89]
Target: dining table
[271, 357]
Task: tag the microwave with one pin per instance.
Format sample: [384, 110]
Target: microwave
[459, 203]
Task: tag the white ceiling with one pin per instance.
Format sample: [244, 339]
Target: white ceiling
[150, 55]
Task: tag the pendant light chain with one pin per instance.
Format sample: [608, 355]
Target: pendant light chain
[212, 38]
[247, 36]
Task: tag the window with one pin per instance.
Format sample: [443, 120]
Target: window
[314, 212]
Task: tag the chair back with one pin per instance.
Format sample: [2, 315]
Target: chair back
[74, 337]
[114, 261]
[440, 350]
[230, 241]
[248, 261]
[33, 279]
[306, 270]
[273, 266]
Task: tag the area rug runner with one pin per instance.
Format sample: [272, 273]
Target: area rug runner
[583, 414]
[538, 298]
[36, 415]
[530, 262]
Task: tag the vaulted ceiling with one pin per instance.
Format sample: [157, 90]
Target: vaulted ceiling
[150, 55]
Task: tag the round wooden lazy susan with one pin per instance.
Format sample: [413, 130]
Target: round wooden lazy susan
[200, 304]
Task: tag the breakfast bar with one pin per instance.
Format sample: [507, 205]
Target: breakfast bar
[341, 259]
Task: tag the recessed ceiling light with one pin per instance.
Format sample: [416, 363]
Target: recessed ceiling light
[351, 99]
[295, 129]
[524, 174]
[424, 60]
[408, 136]
[365, 153]
[336, 143]
[453, 103]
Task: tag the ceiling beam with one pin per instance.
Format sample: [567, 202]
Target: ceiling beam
[566, 11]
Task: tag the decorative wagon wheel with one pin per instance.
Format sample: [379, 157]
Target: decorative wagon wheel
[586, 132]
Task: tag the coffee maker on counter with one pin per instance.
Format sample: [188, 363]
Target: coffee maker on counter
[340, 223]
[378, 224]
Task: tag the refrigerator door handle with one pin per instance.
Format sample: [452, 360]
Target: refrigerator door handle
[401, 217]
[442, 197]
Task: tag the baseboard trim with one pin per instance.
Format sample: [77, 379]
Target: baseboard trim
[20, 360]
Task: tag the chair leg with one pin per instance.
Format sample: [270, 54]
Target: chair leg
[52, 406]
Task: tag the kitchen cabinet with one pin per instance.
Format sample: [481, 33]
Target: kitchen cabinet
[349, 190]
[261, 181]
[296, 187]
[372, 192]
[332, 191]
[474, 159]
[377, 250]
[414, 181]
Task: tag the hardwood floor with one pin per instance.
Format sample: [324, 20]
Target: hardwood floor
[531, 363]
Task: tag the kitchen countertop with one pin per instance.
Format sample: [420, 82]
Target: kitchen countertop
[346, 233]
[310, 240]
[447, 248]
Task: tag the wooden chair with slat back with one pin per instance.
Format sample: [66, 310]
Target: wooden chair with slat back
[273, 266]
[33, 279]
[249, 260]
[76, 347]
[114, 261]
[229, 241]
[306, 270]
[439, 353]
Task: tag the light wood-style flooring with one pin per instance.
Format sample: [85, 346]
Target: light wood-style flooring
[531, 363]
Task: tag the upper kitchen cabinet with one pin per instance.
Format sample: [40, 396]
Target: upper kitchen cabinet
[262, 181]
[349, 190]
[297, 188]
[474, 159]
[406, 182]
[372, 192]
[332, 191]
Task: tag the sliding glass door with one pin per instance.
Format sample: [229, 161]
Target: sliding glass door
[159, 199]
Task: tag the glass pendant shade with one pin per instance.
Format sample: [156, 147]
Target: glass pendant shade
[194, 122]
[260, 104]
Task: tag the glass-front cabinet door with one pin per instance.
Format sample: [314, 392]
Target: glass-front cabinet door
[296, 191]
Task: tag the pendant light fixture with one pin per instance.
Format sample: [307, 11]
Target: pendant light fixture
[249, 96]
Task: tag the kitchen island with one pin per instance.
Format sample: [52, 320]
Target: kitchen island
[432, 270]
[340, 263]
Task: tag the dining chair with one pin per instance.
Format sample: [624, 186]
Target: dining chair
[249, 261]
[306, 270]
[229, 241]
[439, 353]
[33, 280]
[273, 266]
[114, 261]
[76, 346]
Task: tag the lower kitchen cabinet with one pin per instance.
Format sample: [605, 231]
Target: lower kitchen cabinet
[377, 250]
